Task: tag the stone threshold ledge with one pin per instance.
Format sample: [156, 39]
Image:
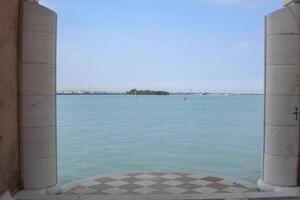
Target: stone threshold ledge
[158, 186]
[223, 196]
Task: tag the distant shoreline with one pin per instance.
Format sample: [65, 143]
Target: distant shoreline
[171, 94]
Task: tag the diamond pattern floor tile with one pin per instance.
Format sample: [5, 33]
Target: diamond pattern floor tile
[200, 182]
[115, 190]
[145, 190]
[175, 190]
[235, 189]
[144, 183]
[158, 183]
[173, 183]
[170, 176]
[117, 183]
[89, 183]
[205, 190]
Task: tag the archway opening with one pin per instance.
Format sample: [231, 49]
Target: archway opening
[206, 64]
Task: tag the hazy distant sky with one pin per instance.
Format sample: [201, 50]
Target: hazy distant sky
[205, 45]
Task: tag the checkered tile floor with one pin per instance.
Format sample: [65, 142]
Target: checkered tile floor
[158, 183]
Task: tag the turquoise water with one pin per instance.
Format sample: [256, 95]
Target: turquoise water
[106, 134]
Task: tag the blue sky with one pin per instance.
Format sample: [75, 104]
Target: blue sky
[175, 45]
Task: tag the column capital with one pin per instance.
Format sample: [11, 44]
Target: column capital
[34, 1]
[288, 2]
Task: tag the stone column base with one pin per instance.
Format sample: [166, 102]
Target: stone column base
[263, 186]
[6, 196]
[23, 194]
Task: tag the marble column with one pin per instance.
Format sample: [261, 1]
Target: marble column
[281, 165]
[37, 96]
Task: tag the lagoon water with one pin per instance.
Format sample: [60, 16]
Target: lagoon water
[99, 135]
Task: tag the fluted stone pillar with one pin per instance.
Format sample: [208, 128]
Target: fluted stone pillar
[38, 97]
[281, 166]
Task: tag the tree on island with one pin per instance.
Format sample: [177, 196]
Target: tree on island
[146, 92]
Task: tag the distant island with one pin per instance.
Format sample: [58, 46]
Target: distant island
[146, 92]
[83, 92]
